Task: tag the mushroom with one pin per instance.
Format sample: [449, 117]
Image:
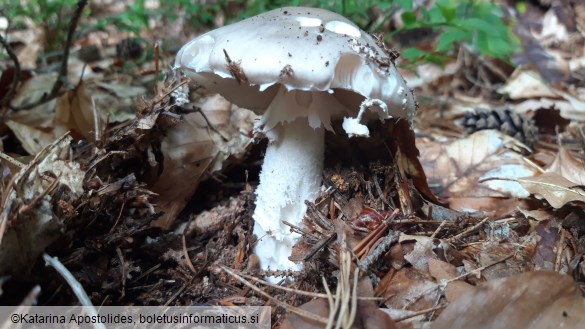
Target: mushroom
[298, 67]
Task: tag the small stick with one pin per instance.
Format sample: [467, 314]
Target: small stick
[12, 160]
[291, 308]
[466, 232]
[382, 247]
[417, 313]
[17, 72]
[75, 286]
[298, 292]
[186, 254]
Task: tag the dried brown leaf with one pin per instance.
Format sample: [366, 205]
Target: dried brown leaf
[368, 316]
[407, 288]
[549, 234]
[530, 300]
[76, 111]
[422, 251]
[198, 146]
[458, 166]
[122, 90]
[408, 159]
[441, 270]
[568, 166]
[556, 189]
[189, 151]
[35, 128]
[526, 84]
[32, 41]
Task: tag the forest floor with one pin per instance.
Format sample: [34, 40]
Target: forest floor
[475, 215]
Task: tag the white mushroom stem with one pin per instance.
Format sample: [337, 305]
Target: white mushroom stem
[291, 174]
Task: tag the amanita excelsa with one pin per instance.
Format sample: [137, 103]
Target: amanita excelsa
[300, 68]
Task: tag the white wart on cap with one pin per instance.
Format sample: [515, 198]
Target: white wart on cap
[298, 67]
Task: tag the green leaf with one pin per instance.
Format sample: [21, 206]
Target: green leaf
[405, 4]
[409, 19]
[447, 39]
[447, 12]
[437, 59]
[413, 54]
[434, 16]
[479, 25]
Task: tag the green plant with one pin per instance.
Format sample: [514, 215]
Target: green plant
[476, 23]
[52, 15]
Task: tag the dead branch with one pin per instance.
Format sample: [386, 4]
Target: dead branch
[16, 78]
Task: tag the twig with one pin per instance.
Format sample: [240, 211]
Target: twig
[363, 247]
[17, 72]
[381, 248]
[145, 273]
[62, 77]
[119, 216]
[209, 124]
[27, 209]
[75, 286]
[179, 292]
[12, 160]
[438, 228]
[466, 232]
[442, 285]
[315, 249]
[298, 292]
[32, 298]
[417, 313]
[291, 308]
[297, 229]
[156, 68]
[186, 255]
[124, 269]
[323, 222]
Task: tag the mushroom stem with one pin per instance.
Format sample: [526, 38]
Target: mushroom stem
[291, 174]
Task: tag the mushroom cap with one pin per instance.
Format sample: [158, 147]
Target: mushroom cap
[299, 48]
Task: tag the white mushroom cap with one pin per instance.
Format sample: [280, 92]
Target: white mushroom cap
[298, 66]
[298, 48]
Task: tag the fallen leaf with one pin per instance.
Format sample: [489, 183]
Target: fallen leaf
[441, 270]
[188, 152]
[408, 288]
[33, 39]
[370, 317]
[568, 166]
[122, 90]
[545, 255]
[420, 254]
[526, 84]
[532, 300]
[555, 189]
[196, 147]
[34, 128]
[76, 111]
[455, 168]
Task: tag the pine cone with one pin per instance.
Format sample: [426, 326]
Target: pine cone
[509, 122]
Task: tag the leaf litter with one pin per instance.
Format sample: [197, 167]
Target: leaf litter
[148, 202]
